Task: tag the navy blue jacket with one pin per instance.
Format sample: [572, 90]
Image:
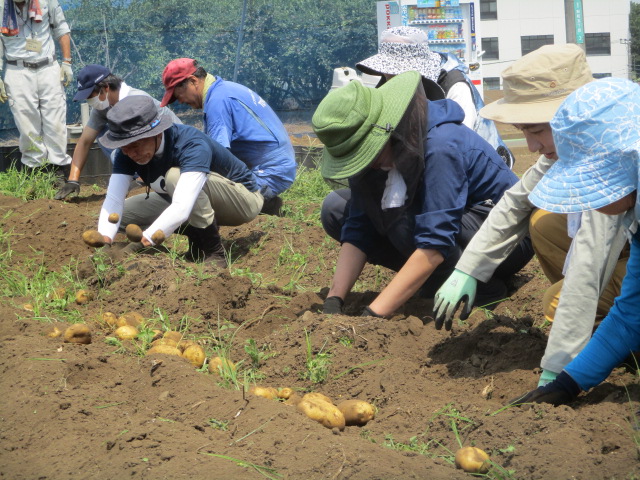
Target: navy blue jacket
[192, 151]
[461, 170]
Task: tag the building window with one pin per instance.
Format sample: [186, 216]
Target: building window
[601, 75]
[490, 47]
[597, 43]
[488, 9]
[533, 42]
[491, 83]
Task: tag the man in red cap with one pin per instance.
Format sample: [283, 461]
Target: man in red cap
[240, 120]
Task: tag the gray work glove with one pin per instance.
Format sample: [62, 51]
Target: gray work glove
[3, 93]
[332, 306]
[118, 253]
[66, 73]
[69, 187]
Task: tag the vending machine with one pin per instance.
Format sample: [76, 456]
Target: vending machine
[451, 25]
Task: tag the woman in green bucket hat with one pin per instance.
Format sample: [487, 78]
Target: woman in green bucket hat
[421, 184]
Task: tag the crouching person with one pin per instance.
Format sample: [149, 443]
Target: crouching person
[420, 185]
[197, 184]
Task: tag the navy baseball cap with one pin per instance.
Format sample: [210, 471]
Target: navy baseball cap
[88, 77]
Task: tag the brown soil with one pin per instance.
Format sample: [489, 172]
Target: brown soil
[91, 412]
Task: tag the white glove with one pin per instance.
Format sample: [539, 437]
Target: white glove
[66, 74]
[3, 92]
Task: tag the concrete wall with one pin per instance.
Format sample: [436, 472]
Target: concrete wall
[517, 18]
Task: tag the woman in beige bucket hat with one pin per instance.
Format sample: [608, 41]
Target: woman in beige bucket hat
[589, 268]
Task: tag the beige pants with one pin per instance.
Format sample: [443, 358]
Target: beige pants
[39, 107]
[221, 199]
[551, 244]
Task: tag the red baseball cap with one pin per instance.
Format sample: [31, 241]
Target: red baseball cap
[175, 72]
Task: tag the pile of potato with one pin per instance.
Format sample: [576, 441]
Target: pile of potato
[321, 408]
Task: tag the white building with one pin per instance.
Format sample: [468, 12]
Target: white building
[512, 28]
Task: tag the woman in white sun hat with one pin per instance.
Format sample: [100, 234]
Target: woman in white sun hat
[597, 136]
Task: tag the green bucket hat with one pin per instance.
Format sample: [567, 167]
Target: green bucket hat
[354, 122]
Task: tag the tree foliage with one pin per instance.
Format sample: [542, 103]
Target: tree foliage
[634, 29]
[289, 51]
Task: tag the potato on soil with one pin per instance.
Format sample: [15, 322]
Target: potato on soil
[293, 400]
[93, 238]
[133, 232]
[164, 350]
[58, 294]
[216, 364]
[195, 354]
[54, 333]
[158, 237]
[83, 296]
[184, 344]
[165, 341]
[110, 319]
[318, 396]
[357, 412]
[130, 318]
[77, 333]
[114, 218]
[126, 332]
[472, 460]
[321, 411]
[285, 393]
[173, 335]
[264, 392]
[28, 307]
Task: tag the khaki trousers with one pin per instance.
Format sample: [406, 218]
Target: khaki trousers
[221, 199]
[551, 244]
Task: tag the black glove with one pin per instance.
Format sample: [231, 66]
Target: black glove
[69, 187]
[367, 312]
[563, 389]
[332, 306]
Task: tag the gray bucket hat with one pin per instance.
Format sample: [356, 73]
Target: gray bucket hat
[132, 119]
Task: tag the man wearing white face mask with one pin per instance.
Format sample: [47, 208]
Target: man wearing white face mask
[34, 79]
[101, 90]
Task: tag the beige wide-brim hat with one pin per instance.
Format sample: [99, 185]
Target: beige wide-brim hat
[536, 85]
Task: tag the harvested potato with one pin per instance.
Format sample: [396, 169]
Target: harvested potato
[472, 460]
[133, 232]
[83, 296]
[110, 319]
[28, 307]
[54, 333]
[158, 237]
[321, 411]
[77, 333]
[218, 364]
[114, 218]
[184, 344]
[126, 332]
[164, 350]
[58, 294]
[264, 392]
[293, 400]
[357, 412]
[93, 238]
[319, 396]
[130, 318]
[195, 354]
[165, 341]
[173, 335]
[285, 393]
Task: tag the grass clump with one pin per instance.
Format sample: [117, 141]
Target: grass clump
[29, 183]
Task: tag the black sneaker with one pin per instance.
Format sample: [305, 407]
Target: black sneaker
[272, 206]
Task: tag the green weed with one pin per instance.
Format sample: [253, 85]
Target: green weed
[303, 199]
[318, 364]
[28, 183]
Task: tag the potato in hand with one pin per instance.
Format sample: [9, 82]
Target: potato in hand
[93, 238]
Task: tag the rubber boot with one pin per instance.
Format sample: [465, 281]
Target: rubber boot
[205, 245]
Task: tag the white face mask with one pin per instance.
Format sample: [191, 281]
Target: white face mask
[98, 104]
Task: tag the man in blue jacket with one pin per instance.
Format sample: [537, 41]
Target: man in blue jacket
[421, 184]
[238, 119]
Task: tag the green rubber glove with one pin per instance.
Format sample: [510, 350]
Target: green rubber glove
[458, 288]
[547, 377]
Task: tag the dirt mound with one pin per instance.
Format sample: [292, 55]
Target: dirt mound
[102, 411]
